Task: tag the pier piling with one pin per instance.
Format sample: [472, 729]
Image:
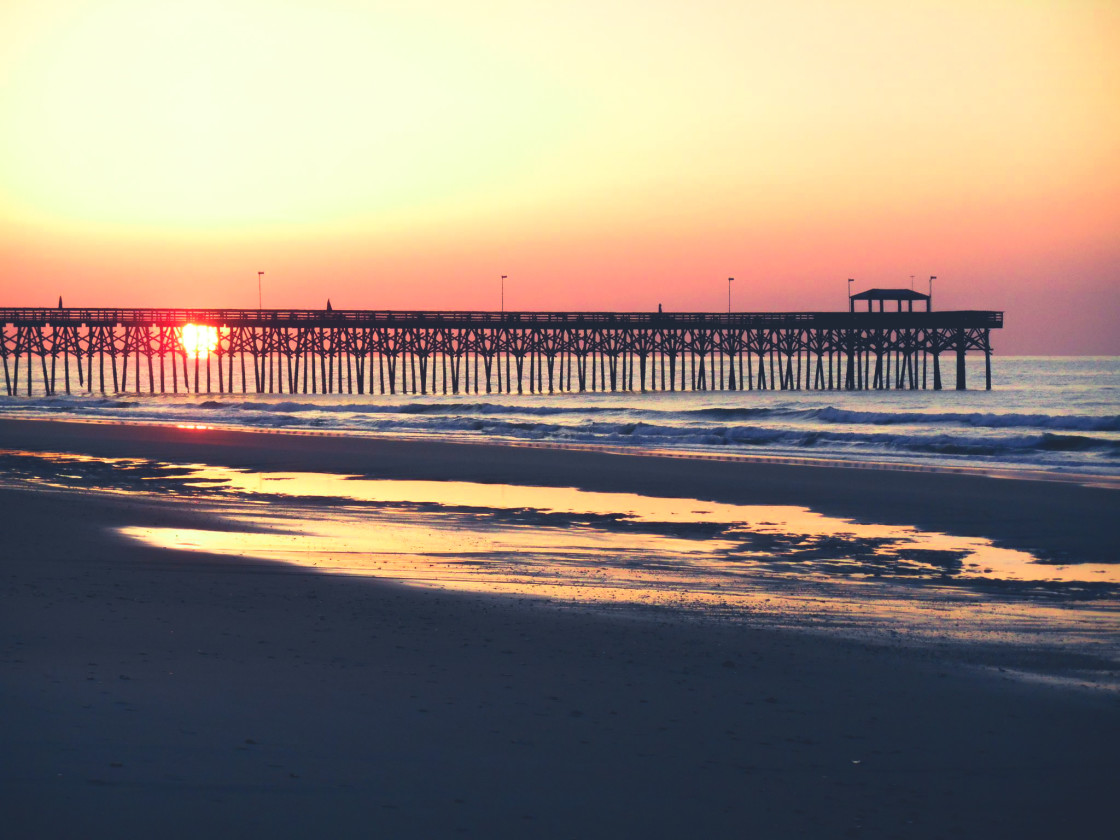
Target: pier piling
[482, 352]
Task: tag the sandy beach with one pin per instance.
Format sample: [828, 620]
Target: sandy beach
[147, 691]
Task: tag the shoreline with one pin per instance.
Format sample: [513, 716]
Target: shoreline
[1059, 522]
[1003, 472]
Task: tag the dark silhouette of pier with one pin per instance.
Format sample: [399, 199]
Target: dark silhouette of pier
[61, 350]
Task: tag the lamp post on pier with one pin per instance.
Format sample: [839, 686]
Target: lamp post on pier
[259, 275]
[850, 281]
[729, 281]
[929, 302]
[503, 294]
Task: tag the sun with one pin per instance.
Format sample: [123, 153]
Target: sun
[199, 341]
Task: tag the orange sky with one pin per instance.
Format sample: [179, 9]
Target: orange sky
[603, 155]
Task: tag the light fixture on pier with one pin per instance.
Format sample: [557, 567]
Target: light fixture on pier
[729, 281]
[503, 294]
[259, 275]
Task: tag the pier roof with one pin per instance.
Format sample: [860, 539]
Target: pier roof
[907, 296]
[890, 294]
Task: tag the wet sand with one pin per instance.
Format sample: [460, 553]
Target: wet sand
[146, 691]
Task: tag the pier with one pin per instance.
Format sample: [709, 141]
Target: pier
[204, 351]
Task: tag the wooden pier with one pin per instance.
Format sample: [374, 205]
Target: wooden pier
[51, 351]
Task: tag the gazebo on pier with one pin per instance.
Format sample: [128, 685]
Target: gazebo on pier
[906, 296]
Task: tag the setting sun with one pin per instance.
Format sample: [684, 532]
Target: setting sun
[199, 341]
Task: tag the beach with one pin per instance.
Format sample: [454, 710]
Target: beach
[147, 690]
[573, 420]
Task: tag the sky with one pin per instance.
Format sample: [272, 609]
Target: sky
[607, 155]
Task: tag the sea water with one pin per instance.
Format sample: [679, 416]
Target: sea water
[1054, 415]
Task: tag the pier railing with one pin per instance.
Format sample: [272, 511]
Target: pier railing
[42, 316]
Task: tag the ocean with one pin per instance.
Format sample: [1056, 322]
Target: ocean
[1055, 416]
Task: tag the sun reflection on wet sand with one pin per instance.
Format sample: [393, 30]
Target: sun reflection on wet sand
[777, 565]
[453, 517]
[591, 566]
[788, 540]
[807, 531]
[780, 565]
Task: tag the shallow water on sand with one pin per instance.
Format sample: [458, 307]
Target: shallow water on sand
[773, 565]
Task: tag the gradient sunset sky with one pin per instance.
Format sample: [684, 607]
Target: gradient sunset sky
[603, 155]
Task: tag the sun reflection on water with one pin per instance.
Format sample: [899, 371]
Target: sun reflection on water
[379, 516]
[478, 550]
[740, 532]
[517, 538]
